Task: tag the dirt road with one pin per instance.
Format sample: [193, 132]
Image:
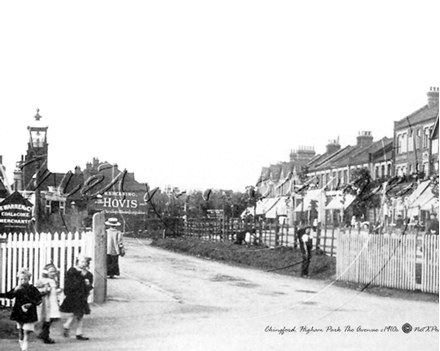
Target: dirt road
[167, 301]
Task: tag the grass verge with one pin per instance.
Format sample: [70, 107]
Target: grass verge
[284, 260]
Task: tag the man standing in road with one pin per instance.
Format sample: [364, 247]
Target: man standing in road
[115, 247]
[305, 245]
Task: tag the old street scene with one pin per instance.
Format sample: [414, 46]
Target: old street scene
[239, 176]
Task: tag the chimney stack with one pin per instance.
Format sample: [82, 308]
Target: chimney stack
[432, 96]
[364, 138]
[333, 146]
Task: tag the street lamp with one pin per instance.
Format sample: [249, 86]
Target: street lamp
[37, 151]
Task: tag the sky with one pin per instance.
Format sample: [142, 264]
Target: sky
[203, 94]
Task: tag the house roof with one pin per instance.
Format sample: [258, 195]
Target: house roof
[335, 161]
[423, 114]
[275, 172]
[325, 157]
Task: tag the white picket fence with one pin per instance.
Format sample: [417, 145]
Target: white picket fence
[34, 251]
[394, 261]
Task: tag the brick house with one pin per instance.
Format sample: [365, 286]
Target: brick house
[412, 138]
[433, 168]
[333, 168]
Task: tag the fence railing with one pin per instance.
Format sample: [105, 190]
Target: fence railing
[270, 234]
[34, 251]
[394, 261]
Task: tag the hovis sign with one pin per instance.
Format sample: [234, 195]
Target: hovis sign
[122, 203]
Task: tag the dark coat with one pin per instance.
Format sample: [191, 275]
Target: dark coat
[76, 292]
[27, 294]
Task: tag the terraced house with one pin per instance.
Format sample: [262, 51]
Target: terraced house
[414, 137]
[333, 168]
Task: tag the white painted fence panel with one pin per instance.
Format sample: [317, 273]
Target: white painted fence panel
[389, 260]
[34, 251]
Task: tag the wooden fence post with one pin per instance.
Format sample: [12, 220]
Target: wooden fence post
[2, 240]
[100, 273]
[277, 230]
[333, 241]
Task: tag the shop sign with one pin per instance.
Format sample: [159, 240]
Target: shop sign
[15, 211]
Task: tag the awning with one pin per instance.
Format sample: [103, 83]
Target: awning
[431, 205]
[312, 195]
[279, 208]
[423, 198]
[263, 206]
[422, 188]
[340, 202]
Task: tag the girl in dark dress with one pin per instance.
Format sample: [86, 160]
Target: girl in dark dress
[77, 287]
[27, 298]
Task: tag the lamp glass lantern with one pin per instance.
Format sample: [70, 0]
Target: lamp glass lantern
[38, 133]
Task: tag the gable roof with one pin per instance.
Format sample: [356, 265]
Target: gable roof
[423, 114]
[316, 163]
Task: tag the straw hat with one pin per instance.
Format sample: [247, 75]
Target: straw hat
[113, 222]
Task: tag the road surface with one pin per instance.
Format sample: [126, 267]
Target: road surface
[169, 301]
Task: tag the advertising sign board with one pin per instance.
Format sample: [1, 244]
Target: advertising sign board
[114, 202]
[15, 212]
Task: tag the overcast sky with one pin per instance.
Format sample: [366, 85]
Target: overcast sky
[203, 94]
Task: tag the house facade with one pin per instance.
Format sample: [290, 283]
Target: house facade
[433, 164]
[281, 178]
[332, 170]
[412, 139]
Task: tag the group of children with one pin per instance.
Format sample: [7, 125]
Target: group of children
[45, 295]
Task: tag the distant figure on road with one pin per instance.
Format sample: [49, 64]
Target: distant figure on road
[305, 245]
[399, 222]
[433, 224]
[115, 247]
[77, 287]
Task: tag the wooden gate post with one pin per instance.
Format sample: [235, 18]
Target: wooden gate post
[100, 273]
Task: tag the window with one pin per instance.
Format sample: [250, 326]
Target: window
[399, 144]
[404, 143]
[425, 137]
[410, 140]
[419, 138]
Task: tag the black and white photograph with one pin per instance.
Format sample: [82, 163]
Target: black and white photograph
[219, 175]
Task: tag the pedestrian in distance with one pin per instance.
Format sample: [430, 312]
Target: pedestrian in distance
[305, 245]
[77, 286]
[433, 225]
[49, 288]
[24, 312]
[115, 247]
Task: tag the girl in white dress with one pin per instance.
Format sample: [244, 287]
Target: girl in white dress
[49, 310]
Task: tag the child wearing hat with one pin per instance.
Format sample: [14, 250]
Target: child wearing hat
[77, 286]
[49, 288]
[27, 298]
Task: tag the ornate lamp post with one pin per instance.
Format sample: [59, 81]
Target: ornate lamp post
[38, 153]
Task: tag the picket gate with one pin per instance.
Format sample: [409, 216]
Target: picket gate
[36, 250]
